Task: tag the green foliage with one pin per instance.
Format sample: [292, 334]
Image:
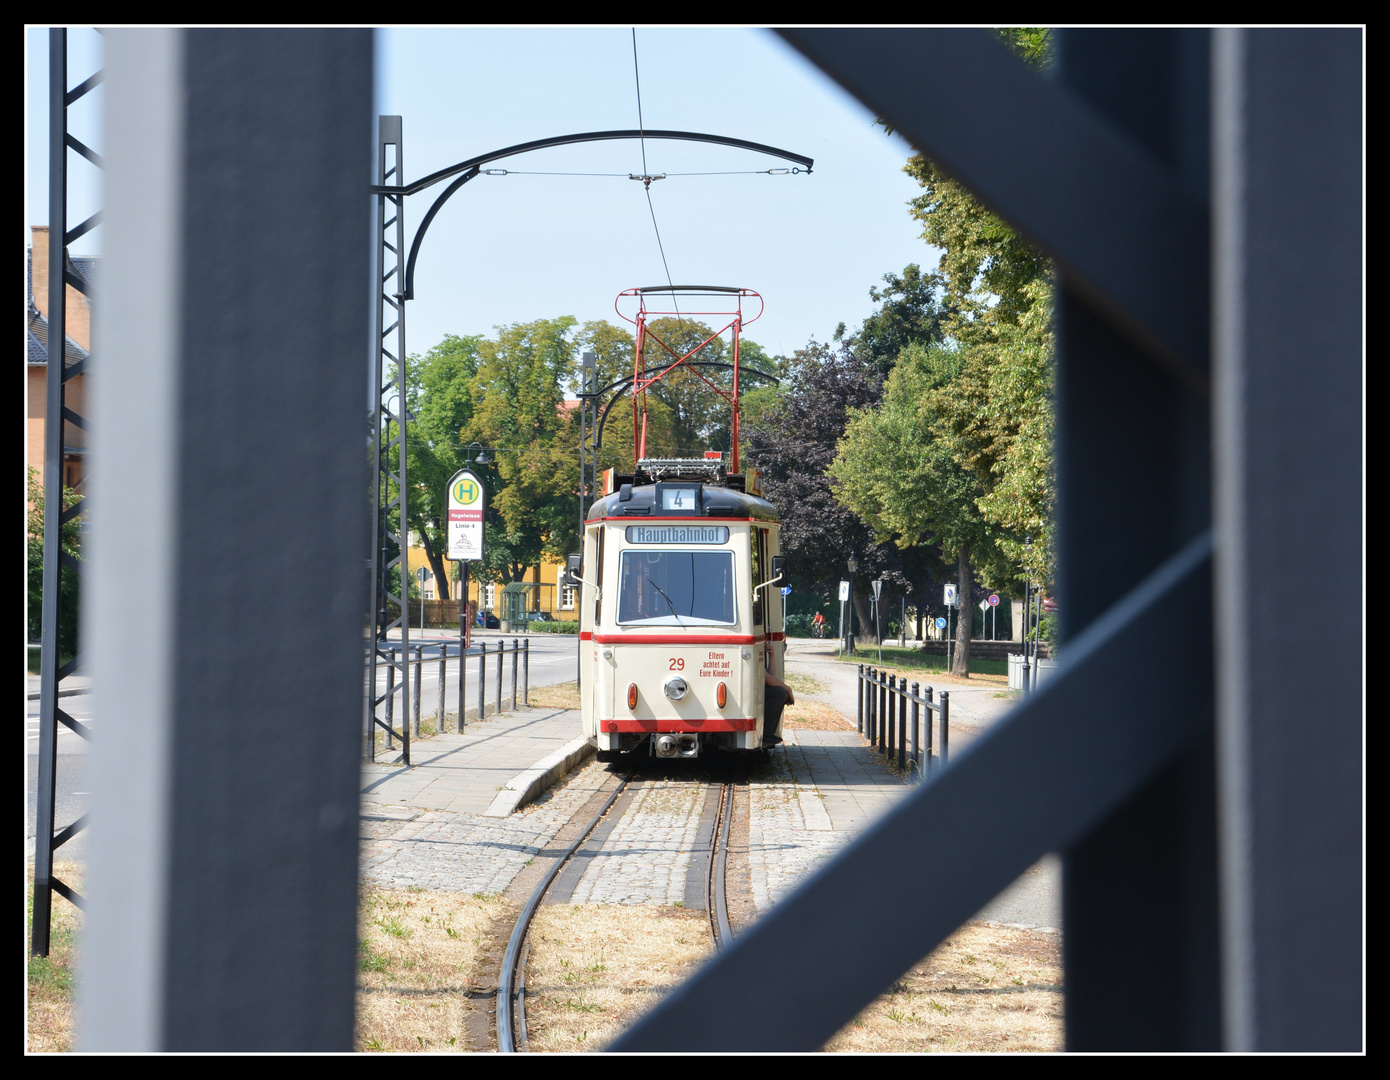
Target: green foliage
[533, 479]
[70, 542]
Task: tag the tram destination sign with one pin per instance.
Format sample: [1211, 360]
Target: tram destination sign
[466, 505]
[677, 534]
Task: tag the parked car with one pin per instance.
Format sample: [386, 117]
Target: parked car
[537, 616]
[489, 620]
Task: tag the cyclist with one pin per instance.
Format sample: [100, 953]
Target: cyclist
[818, 625]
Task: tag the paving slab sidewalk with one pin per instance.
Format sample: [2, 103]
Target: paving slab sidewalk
[467, 773]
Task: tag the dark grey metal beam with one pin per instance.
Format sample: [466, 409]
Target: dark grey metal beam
[1082, 188]
[1290, 483]
[1056, 767]
[224, 867]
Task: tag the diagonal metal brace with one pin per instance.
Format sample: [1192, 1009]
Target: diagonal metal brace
[1111, 215]
[1038, 782]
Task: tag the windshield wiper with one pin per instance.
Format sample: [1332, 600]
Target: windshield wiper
[670, 605]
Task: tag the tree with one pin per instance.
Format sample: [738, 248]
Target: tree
[437, 389]
[70, 543]
[518, 409]
[910, 312]
[895, 472]
[997, 413]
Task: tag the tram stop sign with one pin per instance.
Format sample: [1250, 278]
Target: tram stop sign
[466, 504]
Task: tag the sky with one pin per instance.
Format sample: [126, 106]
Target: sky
[514, 248]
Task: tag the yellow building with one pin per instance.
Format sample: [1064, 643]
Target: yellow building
[539, 591]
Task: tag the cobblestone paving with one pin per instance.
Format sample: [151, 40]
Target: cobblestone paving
[647, 855]
[459, 852]
[815, 801]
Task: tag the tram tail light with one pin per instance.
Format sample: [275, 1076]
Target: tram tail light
[721, 695]
[632, 695]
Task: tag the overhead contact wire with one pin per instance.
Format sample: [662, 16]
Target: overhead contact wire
[647, 183]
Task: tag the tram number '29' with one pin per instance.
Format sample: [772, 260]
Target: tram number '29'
[677, 664]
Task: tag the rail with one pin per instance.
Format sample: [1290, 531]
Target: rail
[442, 653]
[884, 720]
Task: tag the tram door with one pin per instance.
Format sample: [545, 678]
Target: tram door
[590, 615]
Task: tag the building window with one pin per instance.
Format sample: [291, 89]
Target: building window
[567, 598]
[490, 596]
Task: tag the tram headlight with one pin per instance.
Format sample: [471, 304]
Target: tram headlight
[632, 696]
[676, 688]
[721, 695]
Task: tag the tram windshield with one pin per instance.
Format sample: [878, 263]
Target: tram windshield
[677, 588]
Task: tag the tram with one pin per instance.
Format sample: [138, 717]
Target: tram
[681, 617]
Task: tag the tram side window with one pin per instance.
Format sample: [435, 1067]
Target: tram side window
[598, 581]
[755, 551]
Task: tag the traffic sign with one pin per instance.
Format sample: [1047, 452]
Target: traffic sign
[878, 587]
[950, 600]
[844, 591]
[984, 605]
[786, 590]
[940, 623]
[993, 600]
[422, 575]
[466, 505]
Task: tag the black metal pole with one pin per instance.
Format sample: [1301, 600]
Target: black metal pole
[526, 671]
[916, 720]
[859, 701]
[463, 645]
[482, 678]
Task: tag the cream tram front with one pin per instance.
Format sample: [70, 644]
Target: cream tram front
[682, 643]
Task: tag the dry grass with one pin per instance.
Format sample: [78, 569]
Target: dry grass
[421, 953]
[595, 968]
[50, 1011]
[559, 696]
[813, 716]
[986, 988]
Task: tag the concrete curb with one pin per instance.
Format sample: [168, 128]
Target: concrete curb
[62, 693]
[525, 786]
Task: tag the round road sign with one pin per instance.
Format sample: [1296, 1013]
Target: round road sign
[940, 623]
[993, 600]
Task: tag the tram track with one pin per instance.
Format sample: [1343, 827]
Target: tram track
[511, 986]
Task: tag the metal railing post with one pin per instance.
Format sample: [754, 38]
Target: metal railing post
[482, 678]
[871, 696]
[516, 651]
[501, 649]
[927, 730]
[390, 702]
[526, 671]
[945, 726]
[916, 719]
[859, 700]
[443, 682]
[902, 723]
[882, 710]
[892, 695]
[415, 699]
[463, 684]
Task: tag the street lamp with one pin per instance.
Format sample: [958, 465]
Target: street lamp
[482, 454]
[849, 621]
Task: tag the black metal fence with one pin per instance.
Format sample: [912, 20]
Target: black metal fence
[443, 653]
[894, 713]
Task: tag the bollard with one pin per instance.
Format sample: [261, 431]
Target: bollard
[859, 700]
[516, 650]
[916, 719]
[526, 671]
[902, 724]
[482, 677]
[501, 648]
[945, 726]
[415, 701]
[443, 677]
[390, 702]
